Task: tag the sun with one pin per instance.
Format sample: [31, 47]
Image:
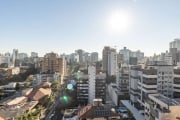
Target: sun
[119, 21]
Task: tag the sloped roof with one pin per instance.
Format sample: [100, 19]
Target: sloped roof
[46, 84]
[40, 93]
[16, 100]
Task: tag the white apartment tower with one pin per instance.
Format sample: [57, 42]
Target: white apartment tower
[175, 44]
[112, 62]
[92, 83]
[14, 56]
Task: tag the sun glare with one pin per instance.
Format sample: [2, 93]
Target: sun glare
[119, 21]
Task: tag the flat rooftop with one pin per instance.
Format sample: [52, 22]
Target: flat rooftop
[166, 100]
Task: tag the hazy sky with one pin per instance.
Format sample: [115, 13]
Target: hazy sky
[65, 25]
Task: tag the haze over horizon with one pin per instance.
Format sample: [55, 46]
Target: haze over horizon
[64, 26]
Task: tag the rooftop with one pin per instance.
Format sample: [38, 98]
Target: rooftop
[96, 112]
[16, 100]
[168, 101]
[40, 93]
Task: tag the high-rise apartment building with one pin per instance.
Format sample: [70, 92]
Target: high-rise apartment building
[82, 89]
[105, 56]
[80, 54]
[14, 56]
[165, 80]
[158, 78]
[22, 56]
[126, 54]
[174, 49]
[86, 57]
[175, 44]
[5, 59]
[92, 83]
[91, 86]
[122, 80]
[62, 66]
[34, 54]
[94, 57]
[51, 63]
[109, 60]
[112, 62]
[73, 58]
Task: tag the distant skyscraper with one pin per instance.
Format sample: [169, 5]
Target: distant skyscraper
[34, 54]
[22, 56]
[109, 60]
[112, 62]
[80, 53]
[94, 57]
[175, 44]
[174, 53]
[126, 54]
[86, 57]
[14, 56]
[92, 83]
[174, 49]
[105, 55]
[5, 59]
[73, 58]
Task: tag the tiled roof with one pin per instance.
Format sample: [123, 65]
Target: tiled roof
[40, 93]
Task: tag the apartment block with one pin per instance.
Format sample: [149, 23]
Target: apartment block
[52, 63]
[91, 86]
[82, 89]
[122, 80]
[109, 60]
[41, 78]
[153, 79]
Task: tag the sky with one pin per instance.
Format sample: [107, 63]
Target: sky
[62, 26]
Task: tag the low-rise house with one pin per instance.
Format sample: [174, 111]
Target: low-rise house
[17, 101]
[40, 93]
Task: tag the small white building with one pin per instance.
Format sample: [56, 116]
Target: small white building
[92, 83]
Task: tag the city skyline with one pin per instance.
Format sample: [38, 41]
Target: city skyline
[63, 26]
